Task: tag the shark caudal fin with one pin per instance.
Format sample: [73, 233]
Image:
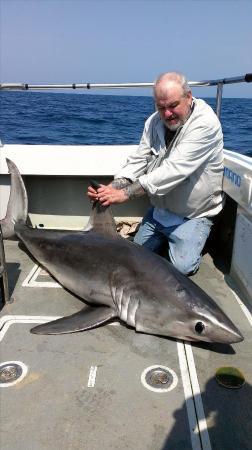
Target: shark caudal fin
[17, 208]
[101, 218]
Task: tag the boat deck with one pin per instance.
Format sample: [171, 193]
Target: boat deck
[90, 390]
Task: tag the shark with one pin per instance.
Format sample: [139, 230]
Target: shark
[116, 278]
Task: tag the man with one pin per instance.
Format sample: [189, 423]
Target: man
[179, 165]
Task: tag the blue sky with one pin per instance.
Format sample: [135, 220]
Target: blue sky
[106, 41]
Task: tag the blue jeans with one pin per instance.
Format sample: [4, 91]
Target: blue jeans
[186, 241]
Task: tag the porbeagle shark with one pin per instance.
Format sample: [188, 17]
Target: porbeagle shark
[117, 278]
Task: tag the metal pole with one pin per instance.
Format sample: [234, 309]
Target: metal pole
[219, 99]
[3, 273]
[25, 86]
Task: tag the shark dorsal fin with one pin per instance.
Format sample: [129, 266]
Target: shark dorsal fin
[101, 218]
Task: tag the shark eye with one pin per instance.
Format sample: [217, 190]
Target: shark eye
[199, 327]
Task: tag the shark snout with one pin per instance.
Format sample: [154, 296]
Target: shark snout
[228, 335]
[233, 337]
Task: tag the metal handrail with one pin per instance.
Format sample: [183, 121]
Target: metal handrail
[219, 99]
[25, 86]
[247, 78]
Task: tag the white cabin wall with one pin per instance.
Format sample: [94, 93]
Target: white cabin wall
[241, 266]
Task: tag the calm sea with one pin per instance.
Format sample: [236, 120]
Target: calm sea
[54, 118]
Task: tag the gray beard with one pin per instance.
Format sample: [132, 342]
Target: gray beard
[175, 126]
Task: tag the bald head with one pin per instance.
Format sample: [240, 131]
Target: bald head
[167, 80]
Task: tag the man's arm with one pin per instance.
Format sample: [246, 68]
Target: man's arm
[108, 195]
[134, 190]
[120, 183]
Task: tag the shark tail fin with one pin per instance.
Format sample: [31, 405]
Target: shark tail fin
[17, 208]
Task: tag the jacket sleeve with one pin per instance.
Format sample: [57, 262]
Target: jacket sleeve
[136, 163]
[194, 149]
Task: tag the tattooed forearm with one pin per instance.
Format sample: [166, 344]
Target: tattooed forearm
[120, 183]
[134, 190]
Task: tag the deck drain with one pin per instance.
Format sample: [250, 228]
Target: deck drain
[11, 372]
[230, 377]
[159, 378]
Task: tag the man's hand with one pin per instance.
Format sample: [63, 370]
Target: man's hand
[107, 195]
[92, 194]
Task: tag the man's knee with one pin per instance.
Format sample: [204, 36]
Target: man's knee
[153, 242]
[186, 266]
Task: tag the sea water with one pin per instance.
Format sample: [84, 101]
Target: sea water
[88, 119]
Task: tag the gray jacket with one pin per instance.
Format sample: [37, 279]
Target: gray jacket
[186, 177]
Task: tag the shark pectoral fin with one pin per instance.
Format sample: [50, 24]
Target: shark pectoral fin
[88, 317]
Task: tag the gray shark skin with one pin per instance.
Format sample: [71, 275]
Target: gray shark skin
[120, 279]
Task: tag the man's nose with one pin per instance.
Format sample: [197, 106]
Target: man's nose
[167, 113]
